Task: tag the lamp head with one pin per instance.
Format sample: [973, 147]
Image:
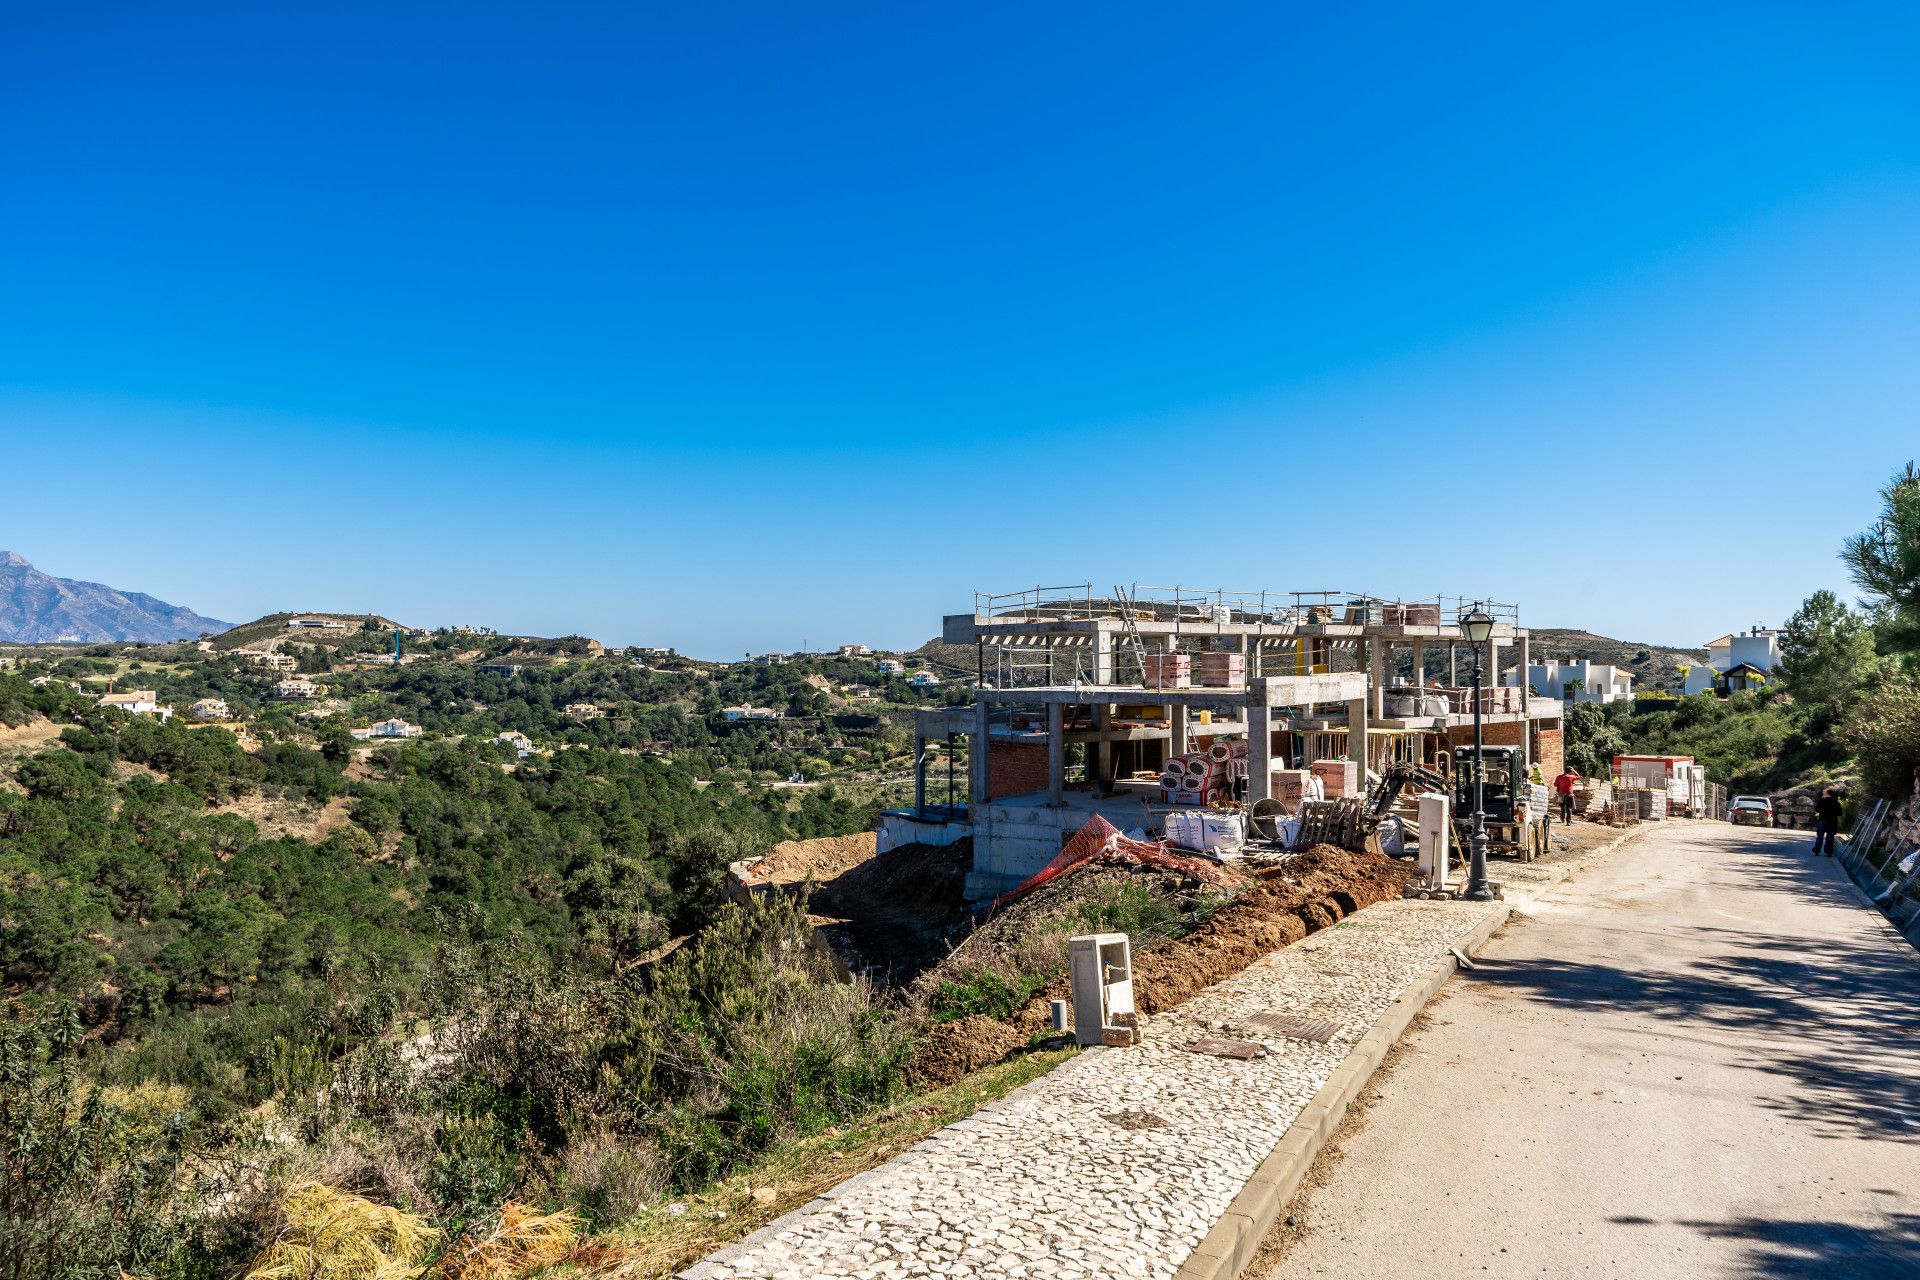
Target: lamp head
[1477, 625]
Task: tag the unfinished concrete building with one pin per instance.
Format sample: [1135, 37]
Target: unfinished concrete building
[1083, 698]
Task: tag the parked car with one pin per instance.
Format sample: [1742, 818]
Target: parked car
[1750, 811]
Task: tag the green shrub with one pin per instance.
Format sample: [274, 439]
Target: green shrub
[87, 1188]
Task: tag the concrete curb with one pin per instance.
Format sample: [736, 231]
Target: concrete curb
[1227, 1249]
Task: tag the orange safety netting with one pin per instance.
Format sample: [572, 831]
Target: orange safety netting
[1100, 839]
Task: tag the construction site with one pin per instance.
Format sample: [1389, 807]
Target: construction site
[1225, 722]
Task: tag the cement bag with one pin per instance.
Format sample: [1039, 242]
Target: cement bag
[1393, 836]
[1186, 829]
[1222, 833]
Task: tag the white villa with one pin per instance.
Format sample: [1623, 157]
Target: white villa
[750, 713]
[211, 709]
[520, 742]
[924, 680]
[854, 650]
[891, 666]
[581, 712]
[1736, 662]
[296, 689]
[1577, 680]
[137, 702]
[395, 728]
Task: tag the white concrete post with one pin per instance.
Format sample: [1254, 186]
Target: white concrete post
[1259, 748]
[1102, 654]
[1177, 730]
[977, 758]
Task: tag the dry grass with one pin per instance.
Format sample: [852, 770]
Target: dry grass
[327, 1234]
[521, 1241]
[659, 1242]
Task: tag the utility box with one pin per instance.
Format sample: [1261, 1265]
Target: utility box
[1436, 834]
[1101, 966]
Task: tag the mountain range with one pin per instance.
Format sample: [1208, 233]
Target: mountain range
[38, 608]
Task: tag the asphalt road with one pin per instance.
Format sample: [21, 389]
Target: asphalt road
[1699, 1057]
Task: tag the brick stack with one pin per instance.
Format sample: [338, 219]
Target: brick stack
[1338, 777]
[1168, 670]
[1224, 670]
[1293, 787]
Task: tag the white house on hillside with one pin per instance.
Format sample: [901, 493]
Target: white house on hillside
[395, 728]
[296, 689]
[891, 666]
[1736, 662]
[750, 713]
[138, 702]
[1577, 680]
[924, 680]
[212, 709]
[520, 742]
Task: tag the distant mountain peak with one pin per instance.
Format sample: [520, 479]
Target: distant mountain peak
[38, 608]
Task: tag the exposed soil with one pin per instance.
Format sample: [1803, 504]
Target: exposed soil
[891, 916]
[822, 858]
[950, 1050]
[1286, 903]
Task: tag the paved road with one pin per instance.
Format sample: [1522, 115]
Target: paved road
[1700, 1057]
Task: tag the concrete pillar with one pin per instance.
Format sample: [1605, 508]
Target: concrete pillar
[1102, 663]
[1453, 665]
[977, 756]
[1259, 750]
[1419, 664]
[1526, 662]
[1177, 730]
[1492, 676]
[1100, 751]
[1357, 736]
[1374, 665]
[1056, 754]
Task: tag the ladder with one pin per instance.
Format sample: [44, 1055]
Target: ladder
[1134, 644]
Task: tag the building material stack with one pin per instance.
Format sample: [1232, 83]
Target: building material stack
[1167, 670]
[1203, 776]
[1223, 670]
[1338, 778]
[1294, 787]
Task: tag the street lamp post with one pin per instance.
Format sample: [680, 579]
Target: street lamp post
[1477, 626]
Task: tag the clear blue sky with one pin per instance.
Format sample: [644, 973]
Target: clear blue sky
[734, 327]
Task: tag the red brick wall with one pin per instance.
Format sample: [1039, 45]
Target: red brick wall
[1550, 751]
[1494, 735]
[1016, 768]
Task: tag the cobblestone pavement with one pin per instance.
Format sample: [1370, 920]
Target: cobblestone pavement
[1119, 1161]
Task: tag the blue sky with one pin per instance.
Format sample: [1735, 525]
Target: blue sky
[735, 327]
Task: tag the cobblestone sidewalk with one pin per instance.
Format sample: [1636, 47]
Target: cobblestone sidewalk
[1119, 1161]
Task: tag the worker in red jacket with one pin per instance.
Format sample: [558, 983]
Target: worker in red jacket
[1564, 785]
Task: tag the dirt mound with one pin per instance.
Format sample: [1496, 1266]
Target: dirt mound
[823, 857]
[950, 1050]
[1301, 895]
[896, 913]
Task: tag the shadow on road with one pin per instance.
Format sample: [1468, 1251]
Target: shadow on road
[1817, 1250]
[1846, 1010]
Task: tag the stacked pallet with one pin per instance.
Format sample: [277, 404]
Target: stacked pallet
[1338, 778]
[1224, 670]
[1203, 777]
[1168, 670]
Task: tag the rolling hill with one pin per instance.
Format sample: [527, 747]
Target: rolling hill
[38, 608]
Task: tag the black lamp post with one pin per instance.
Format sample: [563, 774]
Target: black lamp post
[1477, 627]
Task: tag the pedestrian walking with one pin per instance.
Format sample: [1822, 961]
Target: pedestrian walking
[1564, 785]
[1826, 821]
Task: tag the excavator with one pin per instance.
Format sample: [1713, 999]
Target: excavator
[1352, 823]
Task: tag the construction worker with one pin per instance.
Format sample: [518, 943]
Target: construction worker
[1564, 785]
[1826, 821]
